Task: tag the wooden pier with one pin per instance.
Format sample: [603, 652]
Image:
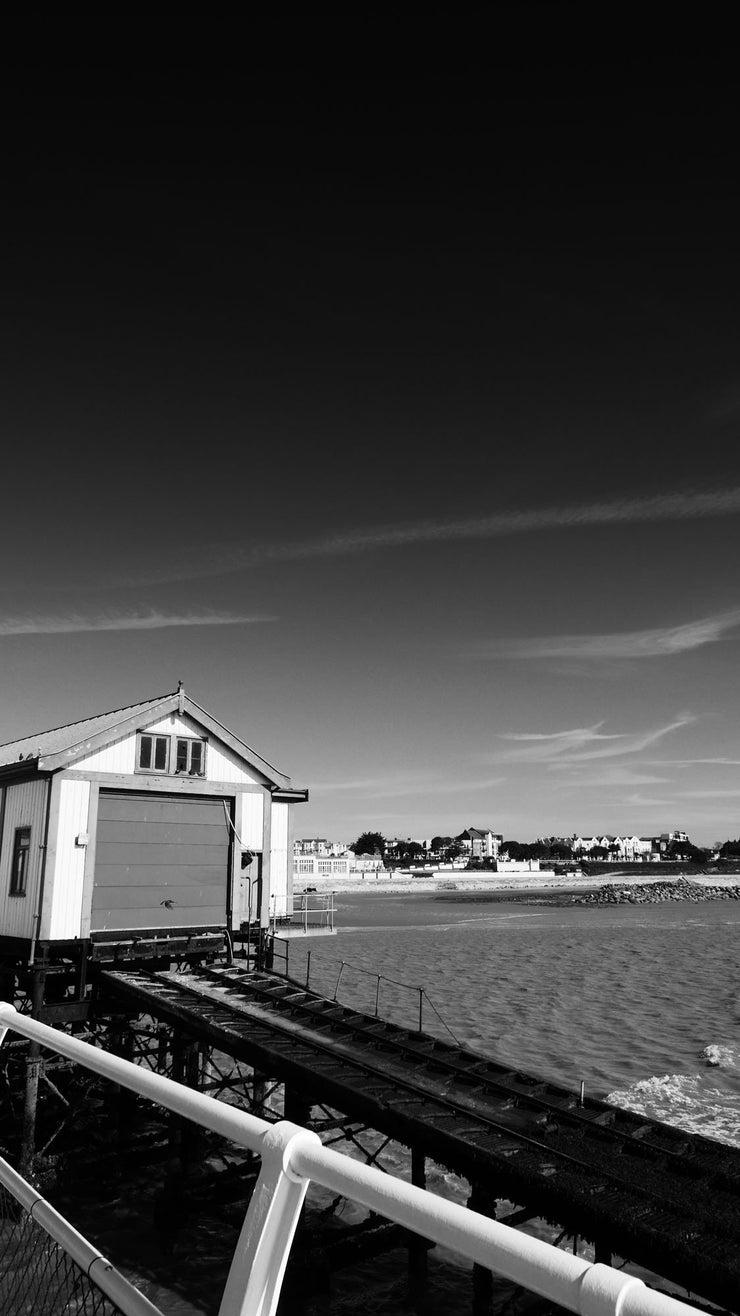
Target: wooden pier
[664, 1199]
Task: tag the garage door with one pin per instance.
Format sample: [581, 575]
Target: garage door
[160, 862]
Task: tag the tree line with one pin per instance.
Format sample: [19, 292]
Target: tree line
[556, 849]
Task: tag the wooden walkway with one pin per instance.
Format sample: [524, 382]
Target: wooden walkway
[665, 1199]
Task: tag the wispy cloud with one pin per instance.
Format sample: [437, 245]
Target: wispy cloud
[224, 559]
[722, 792]
[655, 643]
[580, 744]
[616, 776]
[690, 763]
[130, 619]
[402, 784]
[638, 801]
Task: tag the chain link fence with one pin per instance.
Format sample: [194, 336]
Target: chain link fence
[37, 1276]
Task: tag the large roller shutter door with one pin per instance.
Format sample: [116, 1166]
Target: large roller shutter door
[161, 861]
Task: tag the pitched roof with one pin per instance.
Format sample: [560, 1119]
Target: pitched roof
[60, 747]
[74, 733]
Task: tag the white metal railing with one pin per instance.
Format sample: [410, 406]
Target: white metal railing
[293, 1156]
[309, 911]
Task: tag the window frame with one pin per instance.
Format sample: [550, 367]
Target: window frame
[171, 770]
[19, 880]
[189, 741]
[154, 736]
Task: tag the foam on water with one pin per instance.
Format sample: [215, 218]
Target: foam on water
[693, 1102]
[721, 1057]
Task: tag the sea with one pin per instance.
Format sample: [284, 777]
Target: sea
[641, 1003]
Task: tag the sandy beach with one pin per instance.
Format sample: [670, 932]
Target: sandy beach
[502, 884]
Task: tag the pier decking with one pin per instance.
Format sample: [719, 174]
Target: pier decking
[665, 1199]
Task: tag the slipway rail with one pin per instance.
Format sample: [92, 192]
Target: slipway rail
[666, 1199]
[292, 1157]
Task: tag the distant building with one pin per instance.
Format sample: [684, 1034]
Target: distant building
[480, 843]
[306, 866]
[518, 866]
[367, 863]
[317, 845]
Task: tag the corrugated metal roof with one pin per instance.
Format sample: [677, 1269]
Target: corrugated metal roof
[75, 733]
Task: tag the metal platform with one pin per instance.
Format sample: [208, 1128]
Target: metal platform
[666, 1199]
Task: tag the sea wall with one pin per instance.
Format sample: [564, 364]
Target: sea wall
[653, 893]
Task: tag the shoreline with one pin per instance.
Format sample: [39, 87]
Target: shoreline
[501, 887]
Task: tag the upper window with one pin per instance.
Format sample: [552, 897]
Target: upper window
[154, 753]
[19, 870]
[190, 759]
[179, 756]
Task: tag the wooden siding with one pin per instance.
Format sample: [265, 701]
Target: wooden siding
[250, 819]
[120, 756]
[176, 724]
[161, 862]
[222, 764]
[68, 875]
[279, 834]
[250, 825]
[25, 806]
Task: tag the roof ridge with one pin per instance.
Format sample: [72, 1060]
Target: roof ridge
[156, 699]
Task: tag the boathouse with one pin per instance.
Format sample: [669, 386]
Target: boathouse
[152, 821]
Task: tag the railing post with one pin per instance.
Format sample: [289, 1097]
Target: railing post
[258, 1266]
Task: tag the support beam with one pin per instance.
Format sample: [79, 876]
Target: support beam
[482, 1200]
[295, 1107]
[33, 1065]
[417, 1261]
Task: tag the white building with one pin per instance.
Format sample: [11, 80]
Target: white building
[308, 866]
[148, 823]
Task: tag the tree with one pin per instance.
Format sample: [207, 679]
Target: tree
[453, 851]
[410, 849]
[685, 852]
[514, 849]
[369, 843]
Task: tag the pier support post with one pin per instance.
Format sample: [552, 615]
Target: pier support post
[295, 1107]
[418, 1247]
[259, 1093]
[484, 1202]
[163, 1047]
[33, 1065]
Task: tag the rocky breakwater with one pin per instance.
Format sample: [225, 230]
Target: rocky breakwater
[653, 893]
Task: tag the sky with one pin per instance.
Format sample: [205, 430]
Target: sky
[396, 413]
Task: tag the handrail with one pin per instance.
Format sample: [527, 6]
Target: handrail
[292, 1156]
[125, 1296]
[421, 992]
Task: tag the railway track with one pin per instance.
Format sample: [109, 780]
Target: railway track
[642, 1189]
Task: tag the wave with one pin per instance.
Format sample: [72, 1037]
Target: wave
[720, 1057]
[689, 1101]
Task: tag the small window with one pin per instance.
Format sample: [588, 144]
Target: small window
[154, 753]
[190, 758]
[19, 870]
